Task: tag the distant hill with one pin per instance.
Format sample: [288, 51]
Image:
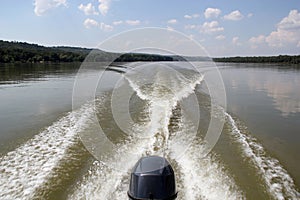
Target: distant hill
[11, 52]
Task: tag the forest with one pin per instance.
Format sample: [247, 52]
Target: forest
[284, 59]
[21, 52]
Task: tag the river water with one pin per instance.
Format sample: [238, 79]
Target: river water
[42, 156]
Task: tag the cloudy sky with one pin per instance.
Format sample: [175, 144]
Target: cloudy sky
[223, 27]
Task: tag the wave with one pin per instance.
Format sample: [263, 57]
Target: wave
[26, 169]
[279, 183]
[202, 177]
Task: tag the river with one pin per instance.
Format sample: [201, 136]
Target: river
[43, 157]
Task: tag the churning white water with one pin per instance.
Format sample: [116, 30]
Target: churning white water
[200, 178]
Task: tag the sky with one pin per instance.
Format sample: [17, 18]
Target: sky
[222, 27]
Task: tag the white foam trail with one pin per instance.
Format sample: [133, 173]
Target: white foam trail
[27, 168]
[164, 88]
[202, 177]
[104, 182]
[279, 182]
[100, 183]
[115, 183]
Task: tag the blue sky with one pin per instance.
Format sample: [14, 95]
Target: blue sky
[223, 27]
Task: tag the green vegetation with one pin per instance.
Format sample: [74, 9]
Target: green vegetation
[12, 52]
[284, 59]
[21, 52]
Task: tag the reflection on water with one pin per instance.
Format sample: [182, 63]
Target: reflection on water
[32, 96]
[18, 73]
[267, 99]
[282, 87]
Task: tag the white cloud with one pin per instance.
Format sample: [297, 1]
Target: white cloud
[234, 15]
[211, 27]
[281, 38]
[220, 37]
[212, 13]
[188, 16]
[256, 41]
[235, 40]
[88, 23]
[106, 27]
[291, 22]
[250, 15]
[104, 6]
[196, 15]
[41, 6]
[190, 26]
[172, 21]
[133, 22]
[288, 31]
[117, 22]
[191, 16]
[89, 9]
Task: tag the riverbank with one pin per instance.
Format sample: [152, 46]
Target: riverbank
[21, 52]
[282, 59]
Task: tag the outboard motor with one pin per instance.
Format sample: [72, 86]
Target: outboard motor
[152, 178]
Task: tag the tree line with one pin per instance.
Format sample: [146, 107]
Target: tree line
[11, 52]
[21, 52]
[284, 59]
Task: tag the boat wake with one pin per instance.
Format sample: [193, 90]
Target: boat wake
[28, 168]
[199, 178]
[279, 183]
[165, 125]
